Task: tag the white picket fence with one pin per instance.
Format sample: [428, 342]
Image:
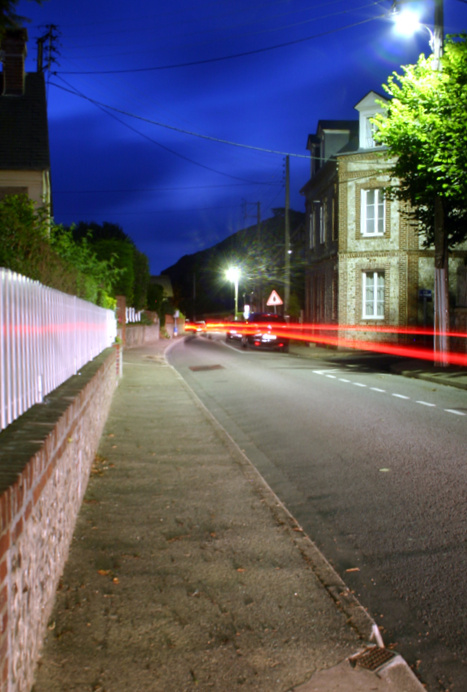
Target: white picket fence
[132, 315]
[45, 337]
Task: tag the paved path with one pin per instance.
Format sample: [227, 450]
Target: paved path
[186, 572]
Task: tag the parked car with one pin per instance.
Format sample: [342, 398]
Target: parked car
[265, 330]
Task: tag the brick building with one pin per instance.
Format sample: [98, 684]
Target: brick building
[365, 261]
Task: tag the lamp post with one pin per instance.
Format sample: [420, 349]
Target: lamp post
[233, 274]
[441, 292]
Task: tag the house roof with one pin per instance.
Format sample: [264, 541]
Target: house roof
[369, 99]
[345, 125]
[24, 140]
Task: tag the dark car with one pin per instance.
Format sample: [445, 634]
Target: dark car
[197, 327]
[235, 331]
[265, 330]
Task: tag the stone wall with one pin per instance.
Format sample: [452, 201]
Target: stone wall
[45, 461]
[139, 335]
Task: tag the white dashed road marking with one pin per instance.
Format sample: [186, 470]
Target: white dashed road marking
[327, 373]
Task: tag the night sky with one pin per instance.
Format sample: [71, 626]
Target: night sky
[144, 96]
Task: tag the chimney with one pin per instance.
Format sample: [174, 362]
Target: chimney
[13, 57]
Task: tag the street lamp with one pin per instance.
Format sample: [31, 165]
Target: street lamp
[441, 304]
[233, 274]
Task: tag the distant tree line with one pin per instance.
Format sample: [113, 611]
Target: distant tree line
[94, 262]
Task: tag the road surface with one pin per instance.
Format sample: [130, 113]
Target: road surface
[373, 466]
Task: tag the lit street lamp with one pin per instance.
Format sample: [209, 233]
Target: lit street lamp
[233, 274]
[409, 22]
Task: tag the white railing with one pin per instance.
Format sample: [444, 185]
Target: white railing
[132, 315]
[45, 337]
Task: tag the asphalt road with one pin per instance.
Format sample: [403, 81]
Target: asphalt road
[373, 466]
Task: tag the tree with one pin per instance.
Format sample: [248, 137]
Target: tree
[94, 278]
[8, 17]
[31, 245]
[141, 280]
[425, 129]
[111, 243]
[23, 235]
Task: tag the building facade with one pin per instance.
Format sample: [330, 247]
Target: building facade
[321, 203]
[24, 142]
[367, 266]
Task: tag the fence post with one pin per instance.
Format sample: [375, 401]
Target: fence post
[121, 318]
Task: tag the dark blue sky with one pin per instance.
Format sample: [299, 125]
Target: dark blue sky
[135, 83]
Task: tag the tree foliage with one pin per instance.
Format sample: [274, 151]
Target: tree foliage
[23, 233]
[32, 246]
[425, 129]
[9, 19]
[93, 262]
[112, 244]
[95, 277]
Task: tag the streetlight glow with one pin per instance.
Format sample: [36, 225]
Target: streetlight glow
[407, 22]
[233, 274]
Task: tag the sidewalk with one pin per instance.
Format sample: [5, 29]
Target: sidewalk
[186, 572]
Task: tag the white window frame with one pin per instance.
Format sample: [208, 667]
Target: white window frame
[373, 295]
[373, 212]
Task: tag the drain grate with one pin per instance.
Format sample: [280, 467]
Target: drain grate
[199, 368]
[372, 658]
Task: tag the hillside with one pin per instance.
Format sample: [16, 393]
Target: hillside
[199, 282]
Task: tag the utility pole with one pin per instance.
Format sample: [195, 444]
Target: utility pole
[260, 250]
[287, 238]
[441, 292]
[245, 205]
[47, 40]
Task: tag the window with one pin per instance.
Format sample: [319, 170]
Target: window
[373, 295]
[311, 230]
[370, 129]
[373, 212]
[320, 223]
[333, 219]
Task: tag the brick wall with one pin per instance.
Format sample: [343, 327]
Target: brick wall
[45, 461]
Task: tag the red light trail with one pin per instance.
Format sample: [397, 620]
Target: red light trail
[325, 334]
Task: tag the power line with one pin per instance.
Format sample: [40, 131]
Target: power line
[179, 129]
[235, 25]
[225, 57]
[104, 108]
[158, 189]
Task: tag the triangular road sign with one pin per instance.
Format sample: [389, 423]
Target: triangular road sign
[274, 299]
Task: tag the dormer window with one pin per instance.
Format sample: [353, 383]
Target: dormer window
[367, 108]
[369, 131]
